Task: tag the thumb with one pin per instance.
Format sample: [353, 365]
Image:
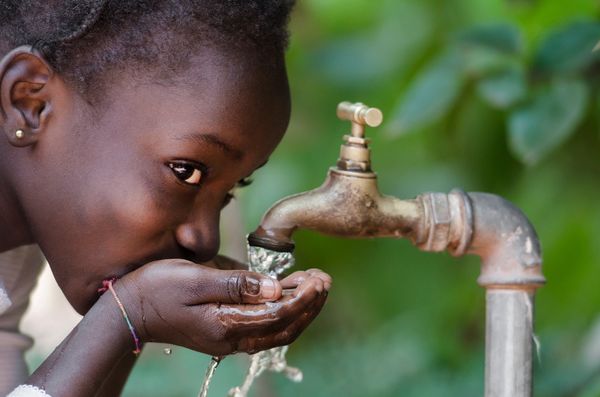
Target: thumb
[234, 286]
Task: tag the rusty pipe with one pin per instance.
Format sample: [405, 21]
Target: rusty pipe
[511, 270]
[507, 243]
[349, 204]
[475, 223]
[488, 226]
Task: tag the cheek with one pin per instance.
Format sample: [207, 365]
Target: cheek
[112, 211]
[135, 209]
[110, 229]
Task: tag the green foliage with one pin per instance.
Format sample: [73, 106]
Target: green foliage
[504, 89]
[548, 119]
[431, 95]
[568, 50]
[501, 38]
[543, 108]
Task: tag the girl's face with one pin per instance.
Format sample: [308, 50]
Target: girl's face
[147, 177]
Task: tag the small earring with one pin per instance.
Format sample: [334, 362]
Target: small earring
[19, 134]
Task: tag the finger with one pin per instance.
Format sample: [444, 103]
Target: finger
[305, 291]
[322, 275]
[231, 286]
[295, 329]
[286, 336]
[266, 319]
[294, 279]
[297, 278]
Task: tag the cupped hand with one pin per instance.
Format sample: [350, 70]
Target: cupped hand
[220, 312]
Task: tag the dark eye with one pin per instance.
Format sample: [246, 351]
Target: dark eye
[187, 172]
[228, 197]
[242, 183]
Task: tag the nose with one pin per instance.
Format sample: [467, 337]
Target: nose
[199, 235]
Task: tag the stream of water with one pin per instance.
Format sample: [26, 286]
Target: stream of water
[273, 264]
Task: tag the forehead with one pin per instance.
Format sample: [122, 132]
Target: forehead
[239, 90]
[240, 97]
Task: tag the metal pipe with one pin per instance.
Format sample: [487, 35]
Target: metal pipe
[349, 204]
[511, 272]
[508, 343]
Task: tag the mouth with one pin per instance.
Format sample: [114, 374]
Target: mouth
[94, 285]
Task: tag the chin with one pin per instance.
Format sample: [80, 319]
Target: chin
[82, 299]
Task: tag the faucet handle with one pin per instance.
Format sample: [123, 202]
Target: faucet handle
[355, 154]
[360, 113]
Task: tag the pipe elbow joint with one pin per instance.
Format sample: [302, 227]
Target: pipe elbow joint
[486, 225]
[506, 242]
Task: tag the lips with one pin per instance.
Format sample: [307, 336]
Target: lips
[117, 271]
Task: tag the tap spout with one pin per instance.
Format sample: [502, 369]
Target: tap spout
[348, 204]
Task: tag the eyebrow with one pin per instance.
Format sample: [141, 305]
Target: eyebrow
[214, 140]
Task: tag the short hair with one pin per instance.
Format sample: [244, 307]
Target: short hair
[83, 39]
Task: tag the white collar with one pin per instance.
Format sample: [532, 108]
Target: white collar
[5, 301]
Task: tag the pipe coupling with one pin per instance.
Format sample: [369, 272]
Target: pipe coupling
[447, 222]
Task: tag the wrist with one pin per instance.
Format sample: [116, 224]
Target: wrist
[107, 316]
[88, 355]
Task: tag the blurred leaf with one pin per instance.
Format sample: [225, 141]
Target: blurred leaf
[340, 15]
[490, 49]
[505, 89]
[547, 120]
[568, 50]
[502, 38]
[379, 53]
[430, 96]
[481, 61]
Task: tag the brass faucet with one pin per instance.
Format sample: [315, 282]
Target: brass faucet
[349, 204]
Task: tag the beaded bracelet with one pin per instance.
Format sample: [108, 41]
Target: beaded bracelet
[107, 285]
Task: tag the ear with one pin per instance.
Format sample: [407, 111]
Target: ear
[25, 95]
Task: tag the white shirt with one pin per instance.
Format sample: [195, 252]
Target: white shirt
[19, 270]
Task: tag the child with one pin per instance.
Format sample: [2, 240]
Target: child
[126, 124]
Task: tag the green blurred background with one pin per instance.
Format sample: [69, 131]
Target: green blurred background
[486, 95]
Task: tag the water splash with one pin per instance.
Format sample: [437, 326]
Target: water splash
[272, 264]
[268, 360]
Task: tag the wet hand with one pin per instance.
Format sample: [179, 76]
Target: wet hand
[220, 312]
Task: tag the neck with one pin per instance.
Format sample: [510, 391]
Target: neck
[14, 231]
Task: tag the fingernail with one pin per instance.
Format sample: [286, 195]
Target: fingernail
[268, 288]
[319, 287]
[253, 286]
